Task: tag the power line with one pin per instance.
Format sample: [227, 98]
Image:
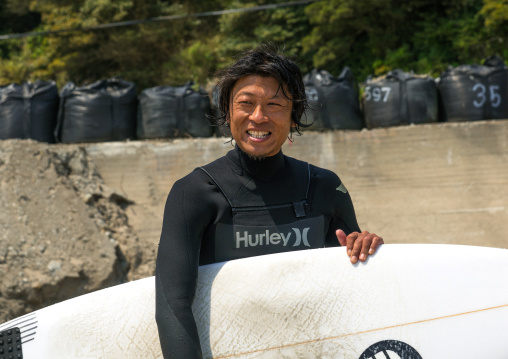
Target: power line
[156, 19]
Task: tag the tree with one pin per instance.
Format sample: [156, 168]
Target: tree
[138, 53]
[375, 36]
[370, 36]
[14, 19]
[285, 27]
[494, 14]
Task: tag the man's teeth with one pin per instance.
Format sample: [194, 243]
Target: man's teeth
[258, 134]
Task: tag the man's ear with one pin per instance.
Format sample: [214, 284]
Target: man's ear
[293, 118]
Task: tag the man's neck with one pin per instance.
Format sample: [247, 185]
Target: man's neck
[264, 168]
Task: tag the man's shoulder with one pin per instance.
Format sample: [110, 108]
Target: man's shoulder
[295, 161]
[200, 173]
[316, 170]
[324, 172]
[325, 179]
[219, 163]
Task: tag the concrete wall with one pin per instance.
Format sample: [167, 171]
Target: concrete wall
[438, 183]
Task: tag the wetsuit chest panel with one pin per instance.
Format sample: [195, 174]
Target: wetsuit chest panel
[241, 241]
[266, 217]
[245, 192]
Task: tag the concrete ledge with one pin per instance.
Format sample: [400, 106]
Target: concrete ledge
[435, 183]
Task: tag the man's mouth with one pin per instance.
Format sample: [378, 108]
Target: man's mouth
[258, 134]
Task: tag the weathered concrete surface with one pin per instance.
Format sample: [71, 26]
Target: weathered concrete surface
[436, 183]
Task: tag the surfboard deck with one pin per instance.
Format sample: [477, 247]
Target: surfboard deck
[408, 301]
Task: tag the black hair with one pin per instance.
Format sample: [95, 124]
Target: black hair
[266, 61]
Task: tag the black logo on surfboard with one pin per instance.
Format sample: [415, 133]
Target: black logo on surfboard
[391, 349]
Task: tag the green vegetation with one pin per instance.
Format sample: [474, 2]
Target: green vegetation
[372, 37]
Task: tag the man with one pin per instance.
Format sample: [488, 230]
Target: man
[228, 208]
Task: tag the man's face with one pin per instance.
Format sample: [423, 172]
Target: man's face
[260, 116]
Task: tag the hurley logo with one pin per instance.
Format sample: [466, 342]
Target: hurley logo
[267, 239]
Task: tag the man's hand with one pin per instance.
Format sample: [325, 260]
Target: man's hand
[359, 245]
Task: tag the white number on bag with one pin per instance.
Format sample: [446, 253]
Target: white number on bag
[376, 93]
[495, 97]
[481, 93]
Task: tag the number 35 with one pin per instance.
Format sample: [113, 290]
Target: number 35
[481, 94]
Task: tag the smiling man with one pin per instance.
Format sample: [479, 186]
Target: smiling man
[260, 116]
[253, 201]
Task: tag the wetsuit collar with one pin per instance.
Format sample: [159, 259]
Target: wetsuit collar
[263, 170]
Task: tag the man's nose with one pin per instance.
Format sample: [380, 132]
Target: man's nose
[258, 114]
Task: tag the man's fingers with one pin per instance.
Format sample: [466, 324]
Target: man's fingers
[341, 236]
[362, 246]
[376, 242]
[350, 242]
[356, 247]
[367, 241]
[359, 245]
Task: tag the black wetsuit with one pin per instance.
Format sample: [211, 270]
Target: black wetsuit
[237, 207]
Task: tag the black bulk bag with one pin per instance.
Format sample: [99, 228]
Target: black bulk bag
[400, 98]
[169, 112]
[12, 114]
[474, 92]
[44, 102]
[29, 111]
[333, 101]
[220, 130]
[103, 111]
[312, 115]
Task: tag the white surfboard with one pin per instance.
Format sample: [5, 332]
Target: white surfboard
[407, 301]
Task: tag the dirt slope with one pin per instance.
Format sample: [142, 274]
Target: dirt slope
[63, 232]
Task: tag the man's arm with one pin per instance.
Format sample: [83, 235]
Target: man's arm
[359, 244]
[176, 274]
